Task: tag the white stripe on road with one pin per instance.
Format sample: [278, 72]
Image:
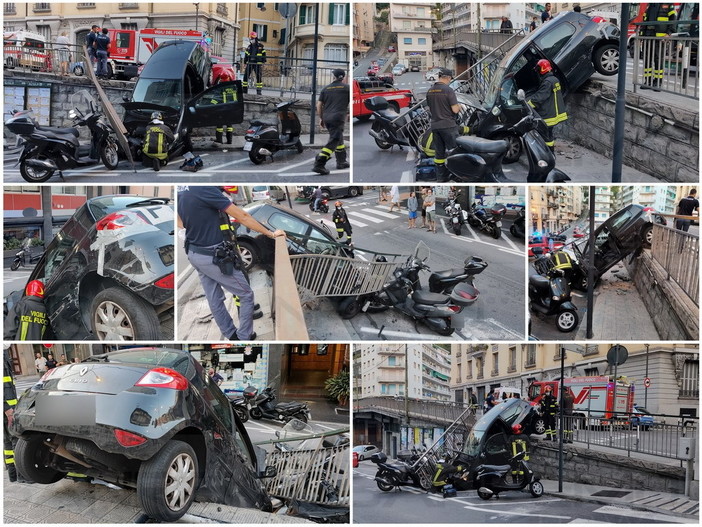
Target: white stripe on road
[529, 513]
[647, 515]
[364, 216]
[511, 243]
[407, 177]
[403, 334]
[381, 213]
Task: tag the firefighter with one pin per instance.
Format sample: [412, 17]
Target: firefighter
[254, 58]
[157, 141]
[549, 408]
[333, 109]
[9, 402]
[444, 108]
[548, 100]
[519, 444]
[341, 220]
[28, 320]
[228, 94]
[653, 52]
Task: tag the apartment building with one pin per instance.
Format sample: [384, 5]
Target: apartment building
[552, 208]
[363, 26]
[412, 24]
[334, 32]
[268, 23]
[660, 197]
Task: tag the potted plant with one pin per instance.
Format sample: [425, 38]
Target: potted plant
[339, 386]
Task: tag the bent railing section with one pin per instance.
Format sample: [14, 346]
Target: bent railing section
[678, 252]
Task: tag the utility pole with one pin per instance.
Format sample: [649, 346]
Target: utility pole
[620, 107]
[591, 268]
[561, 389]
[480, 29]
[407, 419]
[646, 376]
[313, 100]
[197, 14]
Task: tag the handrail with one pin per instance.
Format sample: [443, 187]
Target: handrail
[287, 308]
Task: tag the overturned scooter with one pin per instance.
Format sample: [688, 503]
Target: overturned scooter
[263, 140]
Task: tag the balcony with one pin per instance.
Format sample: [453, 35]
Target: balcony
[222, 9]
[129, 5]
[42, 8]
[413, 16]
[9, 9]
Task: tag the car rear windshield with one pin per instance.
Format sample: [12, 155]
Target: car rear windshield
[174, 359]
[101, 207]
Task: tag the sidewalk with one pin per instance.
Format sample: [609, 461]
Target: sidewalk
[663, 503]
[321, 138]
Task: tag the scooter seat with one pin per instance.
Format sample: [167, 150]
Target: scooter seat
[449, 273]
[423, 297]
[289, 405]
[389, 114]
[262, 123]
[59, 131]
[478, 145]
[495, 468]
[541, 283]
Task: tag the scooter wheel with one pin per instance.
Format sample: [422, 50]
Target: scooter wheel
[299, 147]
[536, 488]
[35, 175]
[457, 229]
[349, 308]
[14, 266]
[384, 487]
[256, 157]
[448, 330]
[484, 495]
[567, 320]
[496, 232]
[242, 413]
[256, 413]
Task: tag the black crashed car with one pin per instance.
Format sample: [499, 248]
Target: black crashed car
[304, 236]
[108, 273]
[144, 418]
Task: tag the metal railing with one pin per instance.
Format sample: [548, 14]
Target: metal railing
[289, 74]
[430, 411]
[42, 57]
[489, 40]
[678, 252]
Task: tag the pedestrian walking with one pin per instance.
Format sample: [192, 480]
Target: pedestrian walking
[63, 52]
[491, 400]
[342, 223]
[654, 53]
[102, 44]
[546, 14]
[227, 95]
[317, 196]
[549, 409]
[40, 363]
[443, 106]
[548, 100]
[383, 193]
[254, 58]
[412, 210]
[90, 43]
[157, 141]
[506, 25]
[27, 319]
[204, 213]
[430, 206]
[567, 426]
[333, 109]
[50, 362]
[394, 197]
[687, 207]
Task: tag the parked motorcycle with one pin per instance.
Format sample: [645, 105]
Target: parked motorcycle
[263, 406]
[517, 229]
[262, 138]
[550, 295]
[401, 474]
[457, 216]
[323, 205]
[384, 130]
[488, 220]
[49, 149]
[516, 475]
[21, 256]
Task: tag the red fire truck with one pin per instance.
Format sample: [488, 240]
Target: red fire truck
[597, 400]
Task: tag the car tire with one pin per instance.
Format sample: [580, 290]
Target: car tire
[155, 481]
[540, 426]
[514, 148]
[349, 307]
[249, 254]
[353, 192]
[605, 58]
[647, 235]
[360, 457]
[32, 458]
[136, 319]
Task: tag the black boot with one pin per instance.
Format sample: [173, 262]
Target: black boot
[341, 161]
[229, 137]
[319, 163]
[218, 136]
[157, 164]
[656, 86]
[442, 173]
[646, 85]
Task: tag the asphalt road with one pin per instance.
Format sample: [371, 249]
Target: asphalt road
[413, 506]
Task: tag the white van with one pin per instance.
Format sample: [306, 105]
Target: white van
[26, 49]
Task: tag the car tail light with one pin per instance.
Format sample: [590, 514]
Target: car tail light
[166, 282]
[127, 439]
[117, 220]
[163, 378]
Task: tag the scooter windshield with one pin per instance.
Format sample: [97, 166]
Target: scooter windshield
[84, 102]
[421, 252]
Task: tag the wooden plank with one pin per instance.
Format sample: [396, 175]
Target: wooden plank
[289, 318]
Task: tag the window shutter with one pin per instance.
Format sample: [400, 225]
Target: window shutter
[303, 11]
[331, 13]
[265, 33]
[282, 36]
[348, 14]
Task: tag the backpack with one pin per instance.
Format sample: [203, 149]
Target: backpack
[193, 164]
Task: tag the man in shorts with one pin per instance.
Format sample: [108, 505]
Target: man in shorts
[430, 206]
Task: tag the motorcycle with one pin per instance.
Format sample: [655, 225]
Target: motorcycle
[262, 406]
[21, 256]
[262, 138]
[457, 216]
[401, 474]
[517, 228]
[550, 295]
[323, 205]
[384, 130]
[241, 407]
[49, 149]
[488, 220]
[516, 475]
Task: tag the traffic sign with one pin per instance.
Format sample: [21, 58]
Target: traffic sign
[647, 382]
[617, 355]
[48, 346]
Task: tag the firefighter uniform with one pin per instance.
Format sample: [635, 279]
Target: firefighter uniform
[444, 130]
[519, 445]
[9, 402]
[653, 49]
[333, 107]
[228, 95]
[548, 103]
[157, 141]
[549, 407]
[342, 223]
[27, 320]
[254, 58]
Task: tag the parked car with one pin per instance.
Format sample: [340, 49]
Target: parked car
[398, 70]
[309, 236]
[642, 418]
[108, 273]
[541, 244]
[365, 451]
[403, 66]
[432, 74]
[392, 49]
[330, 192]
[273, 193]
[145, 418]
[414, 67]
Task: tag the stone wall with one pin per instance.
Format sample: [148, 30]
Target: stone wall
[675, 316]
[591, 467]
[659, 139]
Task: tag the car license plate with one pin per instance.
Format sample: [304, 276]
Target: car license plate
[248, 146]
[499, 223]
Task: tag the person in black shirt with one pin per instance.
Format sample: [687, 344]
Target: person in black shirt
[443, 107]
[333, 109]
[90, 43]
[102, 42]
[687, 207]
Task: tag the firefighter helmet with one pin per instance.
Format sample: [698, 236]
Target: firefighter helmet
[35, 288]
[543, 66]
[225, 76]
[253, 34]
[157, 116]
[337, 204]
[231, 189]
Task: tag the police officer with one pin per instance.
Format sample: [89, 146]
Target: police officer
[444, 108]
[341, 220]
[254, 58]
[228, 94]
[548, 100]
[157, 141]
[204, 213]
[568, 403]
[27, 320]
[90, 43]
[9, 402]
[687, 207]
[333, 108]
[549, 408]
[653, 53]
[102, 43]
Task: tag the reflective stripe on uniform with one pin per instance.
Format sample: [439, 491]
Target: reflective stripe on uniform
[11, 402]
[8, 379]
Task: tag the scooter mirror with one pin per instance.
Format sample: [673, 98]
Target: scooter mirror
[521, 95]
[496, 110]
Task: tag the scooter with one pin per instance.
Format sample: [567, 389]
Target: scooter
[384, 130]
[516, 475]
[517, 228]
[21, 255]
[323, 205]
[263, 140]
[396, 475]
[457, 216]
[550, 295]
[49, 149]
[488, 220]
[263, 406]
[240, 407]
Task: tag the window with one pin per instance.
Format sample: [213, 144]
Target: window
[262, 31]
[336, 53]
[690, 379]
[422, 41]
[306, 15]
[128, 26]
[553, 41]
[41, 7]
[392, 361]
[495, 363]
[339, 14]
[512, 359]
[420, 12]
[479, 364]
[9, 8]
[530, 355]
[407, 40]
[218, 41]
[591, 372]
[44, 31]
[86, 5]
[406, 24]
[124, 38]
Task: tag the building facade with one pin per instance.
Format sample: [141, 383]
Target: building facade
[268, 23]
[333, 34]
[363, 26]
[412, 25]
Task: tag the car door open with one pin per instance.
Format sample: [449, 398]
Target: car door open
[214, 106]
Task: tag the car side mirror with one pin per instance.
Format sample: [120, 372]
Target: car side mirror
[191, 109]
[496, 111]
[521, 95]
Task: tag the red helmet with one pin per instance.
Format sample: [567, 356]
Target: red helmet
[543, 66]
[35, 288]
[231, 189]
[517, 429]
[338, 204]
[225, 76]
[253, 34]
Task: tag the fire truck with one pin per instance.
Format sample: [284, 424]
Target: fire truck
[597, 400]
[364, 88]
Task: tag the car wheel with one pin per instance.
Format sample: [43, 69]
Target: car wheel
[109, 154]
[607, 59]
[540, 426]
[567, 320]
[536, 488]
[35, 175]
[117, 314]
[32, 458]
[167, 482]
[353, 191]
[514, 147]
[647, 235]
[248, 253]
[349, 308]
[360, 457]
[256, 157]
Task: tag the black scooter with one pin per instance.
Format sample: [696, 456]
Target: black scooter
[401, 474]
[323, 205]
[516, 475]
[550, 295]
[49, 149]
[240, 407]
[488, 220]
[21, 257]
[263, 140]
[384, 130]
[263, 406]
[517, 229]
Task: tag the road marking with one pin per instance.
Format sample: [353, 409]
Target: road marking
[365, 216]
[648, 515]
[530, 513]
[381, 213]
[402, 334]
[407, 177]
[479, 240]
[581, 520]
[512, 244]
[504, 328]
[217, 167]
